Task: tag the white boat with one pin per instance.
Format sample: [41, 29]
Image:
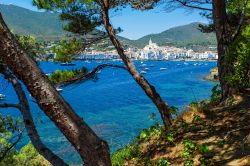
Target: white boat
[59, 89]
[185, 63]
[163, 68]
[143, 65]
[146, 68]
[67, 64]
[99, 72]
[2, 97]
[48, 74]
[143, 72]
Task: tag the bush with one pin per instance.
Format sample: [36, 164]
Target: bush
[239, 58]
[216, 94]
[127, 153]
[59, 76]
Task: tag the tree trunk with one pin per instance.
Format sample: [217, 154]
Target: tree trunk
[144, 84]
[93, 150]
[28, 121]
[223, 40]
[224, 69]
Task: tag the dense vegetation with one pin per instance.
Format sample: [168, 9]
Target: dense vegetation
[60, 76]
[31, 45]
[65, 51]
[239, 57]
[11, 130]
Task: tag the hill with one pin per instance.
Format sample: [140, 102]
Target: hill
[47, 26]
[40, 24]
[181, 36]
[205, 134]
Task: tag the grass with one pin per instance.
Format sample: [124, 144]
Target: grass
[127, 153]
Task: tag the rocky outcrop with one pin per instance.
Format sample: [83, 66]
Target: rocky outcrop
[213, 75]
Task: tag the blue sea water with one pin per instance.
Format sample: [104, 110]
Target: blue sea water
[114, 105]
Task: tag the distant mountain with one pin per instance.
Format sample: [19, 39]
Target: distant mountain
[47, 26]
[182, 36]
[40, 24]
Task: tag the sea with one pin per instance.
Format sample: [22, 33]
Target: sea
[112, 104]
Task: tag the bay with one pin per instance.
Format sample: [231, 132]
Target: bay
[113, 104]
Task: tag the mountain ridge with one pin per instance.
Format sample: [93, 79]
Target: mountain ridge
[47, 26]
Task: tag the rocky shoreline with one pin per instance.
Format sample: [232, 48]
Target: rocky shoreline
[213, 75]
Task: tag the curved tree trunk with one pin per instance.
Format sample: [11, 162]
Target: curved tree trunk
[144, 84]
[93, 150]
[28, 121]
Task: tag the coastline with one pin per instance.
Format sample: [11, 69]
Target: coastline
[212, 76]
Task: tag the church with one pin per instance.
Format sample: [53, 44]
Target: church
[151, 51]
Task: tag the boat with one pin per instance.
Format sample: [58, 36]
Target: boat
[146, 68]
[67, 64]
[143, 72]
[151, 65]
[98, 72]
[59, 89]
[185, 63]
[163, 68]
[48, 74]
[2, 97]
[143, 65]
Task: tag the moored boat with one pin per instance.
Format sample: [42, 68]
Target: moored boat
[143, 72]
[2, 97]
[67, 64]
[163, 68]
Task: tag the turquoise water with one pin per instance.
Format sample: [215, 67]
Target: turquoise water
[114, 105]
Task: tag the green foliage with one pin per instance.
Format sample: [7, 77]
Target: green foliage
[30, 45]
[190, 148]
[216, 94]
[10, 129]
[146, 134]
[239, 58]
[162, 162]
[27, 156]
[59, 76]
[173, 110]
[170, 137]
[193, 104]
[127, 153]
[67, 50]
[196, 118]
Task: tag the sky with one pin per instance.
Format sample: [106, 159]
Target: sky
[136, 24]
